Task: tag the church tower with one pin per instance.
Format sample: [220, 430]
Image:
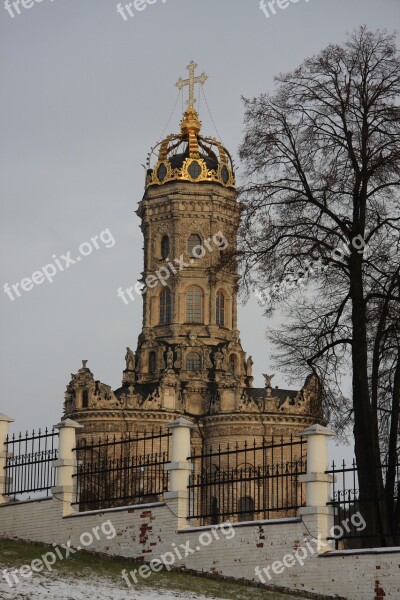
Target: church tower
[189, 359]
[190, 216]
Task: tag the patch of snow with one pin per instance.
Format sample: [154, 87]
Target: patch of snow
[63, 587]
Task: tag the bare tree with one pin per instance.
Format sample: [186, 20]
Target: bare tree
[322, 158]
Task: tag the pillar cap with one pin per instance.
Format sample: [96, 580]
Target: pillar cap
[68, 423]
[318, 430]
[181, 422]
[6, 419]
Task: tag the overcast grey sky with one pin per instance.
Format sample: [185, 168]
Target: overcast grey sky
[84, 96]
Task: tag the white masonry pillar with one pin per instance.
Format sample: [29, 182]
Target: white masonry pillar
[4, 426]
[66, 465]
[317, 517]
[179, 470]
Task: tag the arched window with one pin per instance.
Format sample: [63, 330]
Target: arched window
[165, 306]
[152, 362]
[193, 241]
[246, 508]
[220, 317]
[165, 247]
[194, 305]
[232, 363]
[193, 361]
[85, 399]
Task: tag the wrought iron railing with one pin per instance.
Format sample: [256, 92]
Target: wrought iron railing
[29, 467]
[356, 522]
[257, 481]
[119, 471]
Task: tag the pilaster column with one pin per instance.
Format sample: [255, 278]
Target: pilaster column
[179, 469]
[316, 515]
[66, 465]
[234, 311]
[4, 427]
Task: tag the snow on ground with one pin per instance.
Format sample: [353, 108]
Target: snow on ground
[57, 587]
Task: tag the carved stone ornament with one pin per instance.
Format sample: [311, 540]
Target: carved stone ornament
[169, 378]
[247, 404]
[153, 401]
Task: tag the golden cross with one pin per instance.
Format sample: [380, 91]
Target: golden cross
[190, 82]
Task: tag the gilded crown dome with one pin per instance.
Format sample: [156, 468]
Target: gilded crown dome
[189, 156]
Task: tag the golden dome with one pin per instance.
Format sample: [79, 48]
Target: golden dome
[188, 156]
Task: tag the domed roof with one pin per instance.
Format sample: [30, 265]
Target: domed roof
[189, 156]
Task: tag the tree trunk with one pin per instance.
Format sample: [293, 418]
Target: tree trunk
[371, 490]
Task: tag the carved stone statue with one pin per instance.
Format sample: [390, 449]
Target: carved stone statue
[249, 366]
[219, 357]
[215, 404]
[268, 379]
[170, 358]
[130, 360]
[178, 362]
[225, 355]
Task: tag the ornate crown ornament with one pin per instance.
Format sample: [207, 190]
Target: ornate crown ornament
[189, 156]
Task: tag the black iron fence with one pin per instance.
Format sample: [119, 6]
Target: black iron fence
[257, 481]
[29, 467]
[355, 518]
[119, 471]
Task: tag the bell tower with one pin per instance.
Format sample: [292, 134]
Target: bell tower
[189, 219]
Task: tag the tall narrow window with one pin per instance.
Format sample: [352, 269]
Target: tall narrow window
[165, 247]
[194, 305]
[193, 361]
[165, 306]
[193, 242]
[220, 309]
[85, 399]
[152, 362]
[232, 363]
